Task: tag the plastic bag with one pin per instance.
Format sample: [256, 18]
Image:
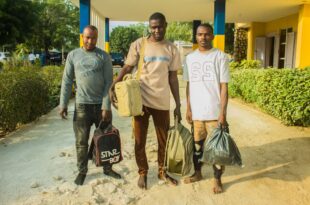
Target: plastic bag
[221, 149]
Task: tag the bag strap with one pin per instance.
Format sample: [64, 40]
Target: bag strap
[176, 123]
[192, 129]
[141, 58]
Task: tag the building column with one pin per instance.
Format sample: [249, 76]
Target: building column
[107, 35]
[303, 40]
[84, 17]
[219, 24]
[196, 23]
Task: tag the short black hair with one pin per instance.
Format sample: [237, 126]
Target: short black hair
[91, 27]
[158, 16]
[206, 25]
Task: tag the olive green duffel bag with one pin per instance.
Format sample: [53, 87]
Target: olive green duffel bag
[179, 150]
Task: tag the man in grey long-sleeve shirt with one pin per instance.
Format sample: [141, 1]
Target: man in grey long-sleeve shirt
[92, 69]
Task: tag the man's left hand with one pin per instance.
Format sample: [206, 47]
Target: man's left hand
[106, 115]
[177, 113]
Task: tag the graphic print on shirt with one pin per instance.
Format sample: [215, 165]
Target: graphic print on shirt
[156, 58]
[202, 72]
[162, 60]
[89, 65]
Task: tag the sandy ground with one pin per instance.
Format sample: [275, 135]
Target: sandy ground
[38, 166]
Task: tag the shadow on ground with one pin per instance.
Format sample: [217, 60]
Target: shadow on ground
[286, 160]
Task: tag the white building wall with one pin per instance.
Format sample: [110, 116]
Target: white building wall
[99, 22]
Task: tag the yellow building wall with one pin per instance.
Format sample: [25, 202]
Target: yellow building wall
[256, 29]
[300, 22]
[303, 37]
[282, 23]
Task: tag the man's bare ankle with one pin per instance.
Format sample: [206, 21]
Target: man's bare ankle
[197, 176]
[218, 186]
[142, 182]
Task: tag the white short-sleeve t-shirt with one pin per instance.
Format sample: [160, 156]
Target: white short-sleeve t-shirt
[205, 71]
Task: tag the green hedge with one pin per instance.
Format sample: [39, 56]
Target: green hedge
[244, 64]
[53, 76]
[26, 93]
[283, 93]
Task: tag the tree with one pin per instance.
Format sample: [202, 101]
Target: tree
[21, 50]
[141, 28]
[179, 31]
[57, 27]
[16, 21]
[121, 38]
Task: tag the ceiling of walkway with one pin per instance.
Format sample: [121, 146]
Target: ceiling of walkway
[188, 10]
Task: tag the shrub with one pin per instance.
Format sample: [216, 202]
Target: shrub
[250, 64]
[26, 93]
[283, 93]
[234, 65]
[15, 63]
[23, 98]
[53, 76]
[245, 64]
[305, 68]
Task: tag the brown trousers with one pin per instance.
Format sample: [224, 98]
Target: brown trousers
[161, 120]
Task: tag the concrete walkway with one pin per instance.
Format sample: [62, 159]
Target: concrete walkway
[41, 155]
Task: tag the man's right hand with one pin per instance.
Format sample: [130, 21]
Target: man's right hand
[125, 70]
[63, 112]
[112, 95]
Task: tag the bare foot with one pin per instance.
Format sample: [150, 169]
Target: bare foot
[164, 176]
[194, 178]
[142, 182]
[218, 186]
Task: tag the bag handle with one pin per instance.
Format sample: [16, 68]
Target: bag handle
[105, 125]
[141, 58]
[176, 123]
[127, 76]
[224, 128]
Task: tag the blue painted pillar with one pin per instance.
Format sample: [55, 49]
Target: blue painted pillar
[196, 23]
[84, 17]
[219, 24]
[107, 35]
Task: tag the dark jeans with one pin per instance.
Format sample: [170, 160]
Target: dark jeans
[141, 123]
[85, 115]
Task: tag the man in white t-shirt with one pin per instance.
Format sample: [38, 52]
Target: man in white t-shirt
[207, 74]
